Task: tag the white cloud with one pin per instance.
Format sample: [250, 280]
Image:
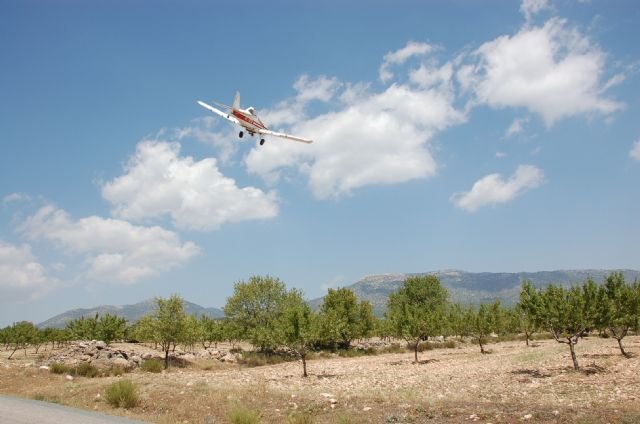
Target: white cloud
[635, 151]
[553, 71]
[529, 8]
[113, 250]
[322, 88]
[398, 57]
[22, 277]
[205, 130]
[493, 189]
[376, 138]
[516, 127]
[15, 197]
[500, 155]
[157, 181]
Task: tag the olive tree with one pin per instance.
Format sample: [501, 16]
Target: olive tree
[618, 308]
[168, 323]
[255, 310]
[299, 325]
[343, 319]
[567, 315]
[416, 311]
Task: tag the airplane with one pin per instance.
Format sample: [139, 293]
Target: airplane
[248, 120]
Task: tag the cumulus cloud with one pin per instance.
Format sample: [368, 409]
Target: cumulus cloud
[113, 250]
[195, 194]
[493, 189]
[212, 132]
[400, 56]
[373, 139]
[529, 8]
[635, 151]
[552, 70]
[22, 277]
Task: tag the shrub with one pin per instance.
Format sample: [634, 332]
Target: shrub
[257, 359]
[85, 369]
[241, 415]
[122, 394]
[58, 368]
[152, 365]
[297, 417]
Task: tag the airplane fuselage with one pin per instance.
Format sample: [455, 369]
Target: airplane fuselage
[248, 121]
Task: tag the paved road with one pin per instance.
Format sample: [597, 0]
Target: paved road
[25, 411]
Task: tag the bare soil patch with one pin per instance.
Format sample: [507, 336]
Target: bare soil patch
[513, 384]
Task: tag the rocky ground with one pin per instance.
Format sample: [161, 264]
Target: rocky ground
[512, 384]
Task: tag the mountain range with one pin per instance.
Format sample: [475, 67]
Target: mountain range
[477, 287]
[464, 287]
[131, 313]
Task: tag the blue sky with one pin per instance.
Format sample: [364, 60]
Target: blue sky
[483, 136]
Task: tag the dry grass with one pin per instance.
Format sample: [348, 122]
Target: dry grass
[513, 384]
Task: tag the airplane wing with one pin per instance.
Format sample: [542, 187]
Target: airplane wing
[219, 112]
[283, 135]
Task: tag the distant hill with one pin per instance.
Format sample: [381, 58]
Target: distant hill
[476, 287]
[131, 313]
[464, 287]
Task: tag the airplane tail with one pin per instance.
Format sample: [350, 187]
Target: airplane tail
[236, 100]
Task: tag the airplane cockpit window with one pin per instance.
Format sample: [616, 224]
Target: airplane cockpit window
[252, 111]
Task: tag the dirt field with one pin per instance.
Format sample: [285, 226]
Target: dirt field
[512, 384]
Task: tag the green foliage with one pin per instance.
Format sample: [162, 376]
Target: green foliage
[299, 325]
[243, 415]
[145, 330]
[212, 330]
[122, 394]
[618, 309]
[58, 368]
[83, 328]
[110, 328]
[342, 319]
[107, 328]
[152, 365]
[85, 369]
[255, 310]
[192, 333]
[168, 323]
[483, 321]
[417, 310]
[20, 335]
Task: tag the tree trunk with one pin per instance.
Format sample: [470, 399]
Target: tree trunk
[14, 351]
[626, 355]
[526, 337]
[481, 346]
[574, 358]
[304, 364]
[166, 359]
[415, 350]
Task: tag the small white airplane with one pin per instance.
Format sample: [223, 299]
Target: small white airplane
[248, 120]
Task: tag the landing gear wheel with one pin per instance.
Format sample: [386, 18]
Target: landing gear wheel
[262, 141]
[241, 134]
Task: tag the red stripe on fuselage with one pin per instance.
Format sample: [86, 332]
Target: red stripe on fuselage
[248, 120]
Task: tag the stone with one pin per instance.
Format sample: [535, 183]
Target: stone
[44, 368]
[69, 377]
[121, 362]
[100, 345]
